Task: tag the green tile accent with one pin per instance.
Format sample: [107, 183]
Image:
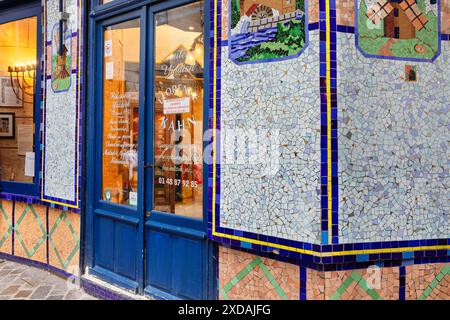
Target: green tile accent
[224, 294]
[444, 272]
[355, 277]
[8, 222]
[41, 240]
[272, 281]
[63, 218]
[245, 271]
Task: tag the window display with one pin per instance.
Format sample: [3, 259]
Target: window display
[17, 96]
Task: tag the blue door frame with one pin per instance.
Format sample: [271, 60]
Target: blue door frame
[164, 255]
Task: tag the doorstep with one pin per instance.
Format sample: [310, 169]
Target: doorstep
[105, 290]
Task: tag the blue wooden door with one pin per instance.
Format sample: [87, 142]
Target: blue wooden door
[116, 151]
[177, 253]
[146, 174]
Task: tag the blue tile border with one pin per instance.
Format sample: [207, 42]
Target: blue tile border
[402, 283]
[34, 200]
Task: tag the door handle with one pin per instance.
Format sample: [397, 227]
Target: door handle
[148, 165]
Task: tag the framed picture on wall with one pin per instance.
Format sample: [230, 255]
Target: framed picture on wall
[8, 97]
[7, 125]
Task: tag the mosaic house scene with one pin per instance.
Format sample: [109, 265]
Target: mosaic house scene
[224, 149]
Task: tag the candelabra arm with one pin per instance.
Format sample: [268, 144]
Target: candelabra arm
[14, 90]
[21, 87]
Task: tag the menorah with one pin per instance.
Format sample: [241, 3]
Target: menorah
[21, 74]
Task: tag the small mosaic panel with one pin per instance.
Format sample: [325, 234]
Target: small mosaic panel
[428, 282]
[246, 276]
[363, 284]
[6, 226]
[407, 29]
[64, 239]
[30, 231]
[266, 30]
[61, 64]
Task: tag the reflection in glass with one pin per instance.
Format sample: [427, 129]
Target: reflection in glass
[120, 112]
[18, 51]
[178, 111]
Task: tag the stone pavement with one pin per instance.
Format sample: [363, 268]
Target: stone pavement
[22, 282]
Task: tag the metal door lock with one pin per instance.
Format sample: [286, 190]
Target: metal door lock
[148, 213]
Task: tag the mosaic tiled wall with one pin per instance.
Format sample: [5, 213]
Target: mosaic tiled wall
[62, 101]
[393, 146]
[247, 276]
[282, 96]
[48, 236]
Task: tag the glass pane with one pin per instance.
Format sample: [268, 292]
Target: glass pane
[178, 118]
[17, 87]
[120, 112]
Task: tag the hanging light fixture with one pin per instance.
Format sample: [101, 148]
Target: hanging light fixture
[195, 54]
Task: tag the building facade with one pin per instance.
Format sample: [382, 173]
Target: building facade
[228, 149]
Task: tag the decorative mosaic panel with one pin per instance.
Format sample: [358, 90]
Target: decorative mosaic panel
[266, 30]
[268, 101]
[6, 226]
[407, 29]
[393, 146]
[61, 64]
[64, 239]
[62, 98]
[30, 232]
[247, 276]
[363, 284]
[45, 237]
[428, 282]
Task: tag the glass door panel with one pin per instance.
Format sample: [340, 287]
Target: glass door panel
[120, 113]
[178, 111]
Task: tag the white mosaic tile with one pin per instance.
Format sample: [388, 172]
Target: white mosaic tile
[393, 147]
[282, 96]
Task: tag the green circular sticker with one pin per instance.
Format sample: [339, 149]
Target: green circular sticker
[107, 195]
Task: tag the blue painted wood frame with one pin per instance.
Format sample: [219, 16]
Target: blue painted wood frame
[8, 15]
[112, 13]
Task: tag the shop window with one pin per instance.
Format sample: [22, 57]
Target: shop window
[19, 95]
